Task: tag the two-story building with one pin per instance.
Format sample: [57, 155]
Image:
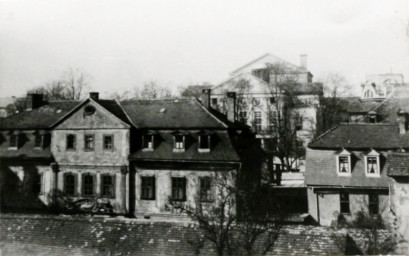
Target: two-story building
[346, 171]
[133, 155]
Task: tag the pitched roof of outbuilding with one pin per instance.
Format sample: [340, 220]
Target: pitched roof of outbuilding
[397, 164]
[362, 135]
[171, 114]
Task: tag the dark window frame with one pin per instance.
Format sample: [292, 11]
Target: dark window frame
[258, 121]
[178, 188]
[204, 142]
[146, 141]
[71, 186]
[344, 164]
[373, 204]
[344, 203]
[177, 144]
[148, 188]
[38, 140]
[13, 141]
[108, 190]
[73, 145]
[104, 144]
[206, 189]
[214, 101]
[37, 184]
[86, 146]
[88, 188]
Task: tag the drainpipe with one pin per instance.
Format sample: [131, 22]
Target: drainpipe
[318, 209]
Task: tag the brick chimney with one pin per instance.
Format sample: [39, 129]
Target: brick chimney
[34, 100]
[231, 106]
[94, 95]
[403, 121]
[304, 61]
[205, 98]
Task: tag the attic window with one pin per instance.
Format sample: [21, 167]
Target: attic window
[89, 110]
[13, 141]
[372, 164]
[148, 140]
[204, 143]
[179, 145]
[344, 163]
[38, 140]
[372, 117]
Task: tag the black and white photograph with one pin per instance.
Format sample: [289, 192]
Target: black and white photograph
[182, 127]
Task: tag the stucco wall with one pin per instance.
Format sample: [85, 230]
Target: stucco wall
[329, 206]
[321, 169]
[163, 188]
[399, 197]
[118, 202]
[98, 156]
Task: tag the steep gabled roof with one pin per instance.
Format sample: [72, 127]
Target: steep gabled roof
[170, 114]
[397, 164]
[40, 118]
[362, 135]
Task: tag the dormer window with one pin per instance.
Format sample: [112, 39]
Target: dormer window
[344, 163]
[179, 142]
[204, 143]
[372, 116]
[148, 142]
[372, 164]
[13, 140]
[38, 140]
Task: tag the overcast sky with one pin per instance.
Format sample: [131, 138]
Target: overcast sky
[121, 44]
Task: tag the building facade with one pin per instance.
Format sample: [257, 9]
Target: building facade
[133, 156]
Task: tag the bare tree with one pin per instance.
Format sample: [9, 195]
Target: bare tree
[230, 230]
[152, 90]
[331, 111]
[76, 82]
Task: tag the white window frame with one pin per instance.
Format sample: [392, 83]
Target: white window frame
[377, 173]
[344, 153]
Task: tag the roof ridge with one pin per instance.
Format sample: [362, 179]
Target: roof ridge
[217, 119]
[158, 99]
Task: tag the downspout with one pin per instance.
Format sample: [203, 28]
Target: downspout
[318, 209]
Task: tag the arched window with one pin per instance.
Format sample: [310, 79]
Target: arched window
[368, 94]
[87, 185]
[69, 184]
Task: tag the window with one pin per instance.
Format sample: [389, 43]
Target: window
[344, 163]
[257, 121]
[243, 116]
[272, 118]
[37, 184]
[148, 141]
[372, 164]
[108, 185]
[373, 204]
[87, 185]
[89, 110]
[179, 189]
[38, 140]
[272, 100]
[205, 189]
[71, 141]
[13, 140]
[204, 143]
[108, 142]
[344, 202]
[179, 142]
[214, 101]
[148, 188]
[372, 118]
[298, 123]
[89, 142]
[69, 184]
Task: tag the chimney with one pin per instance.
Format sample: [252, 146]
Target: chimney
[205, 98]
[34, 100]
[303, 61]
[94, 95]
[403, 121]
[231, 106]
